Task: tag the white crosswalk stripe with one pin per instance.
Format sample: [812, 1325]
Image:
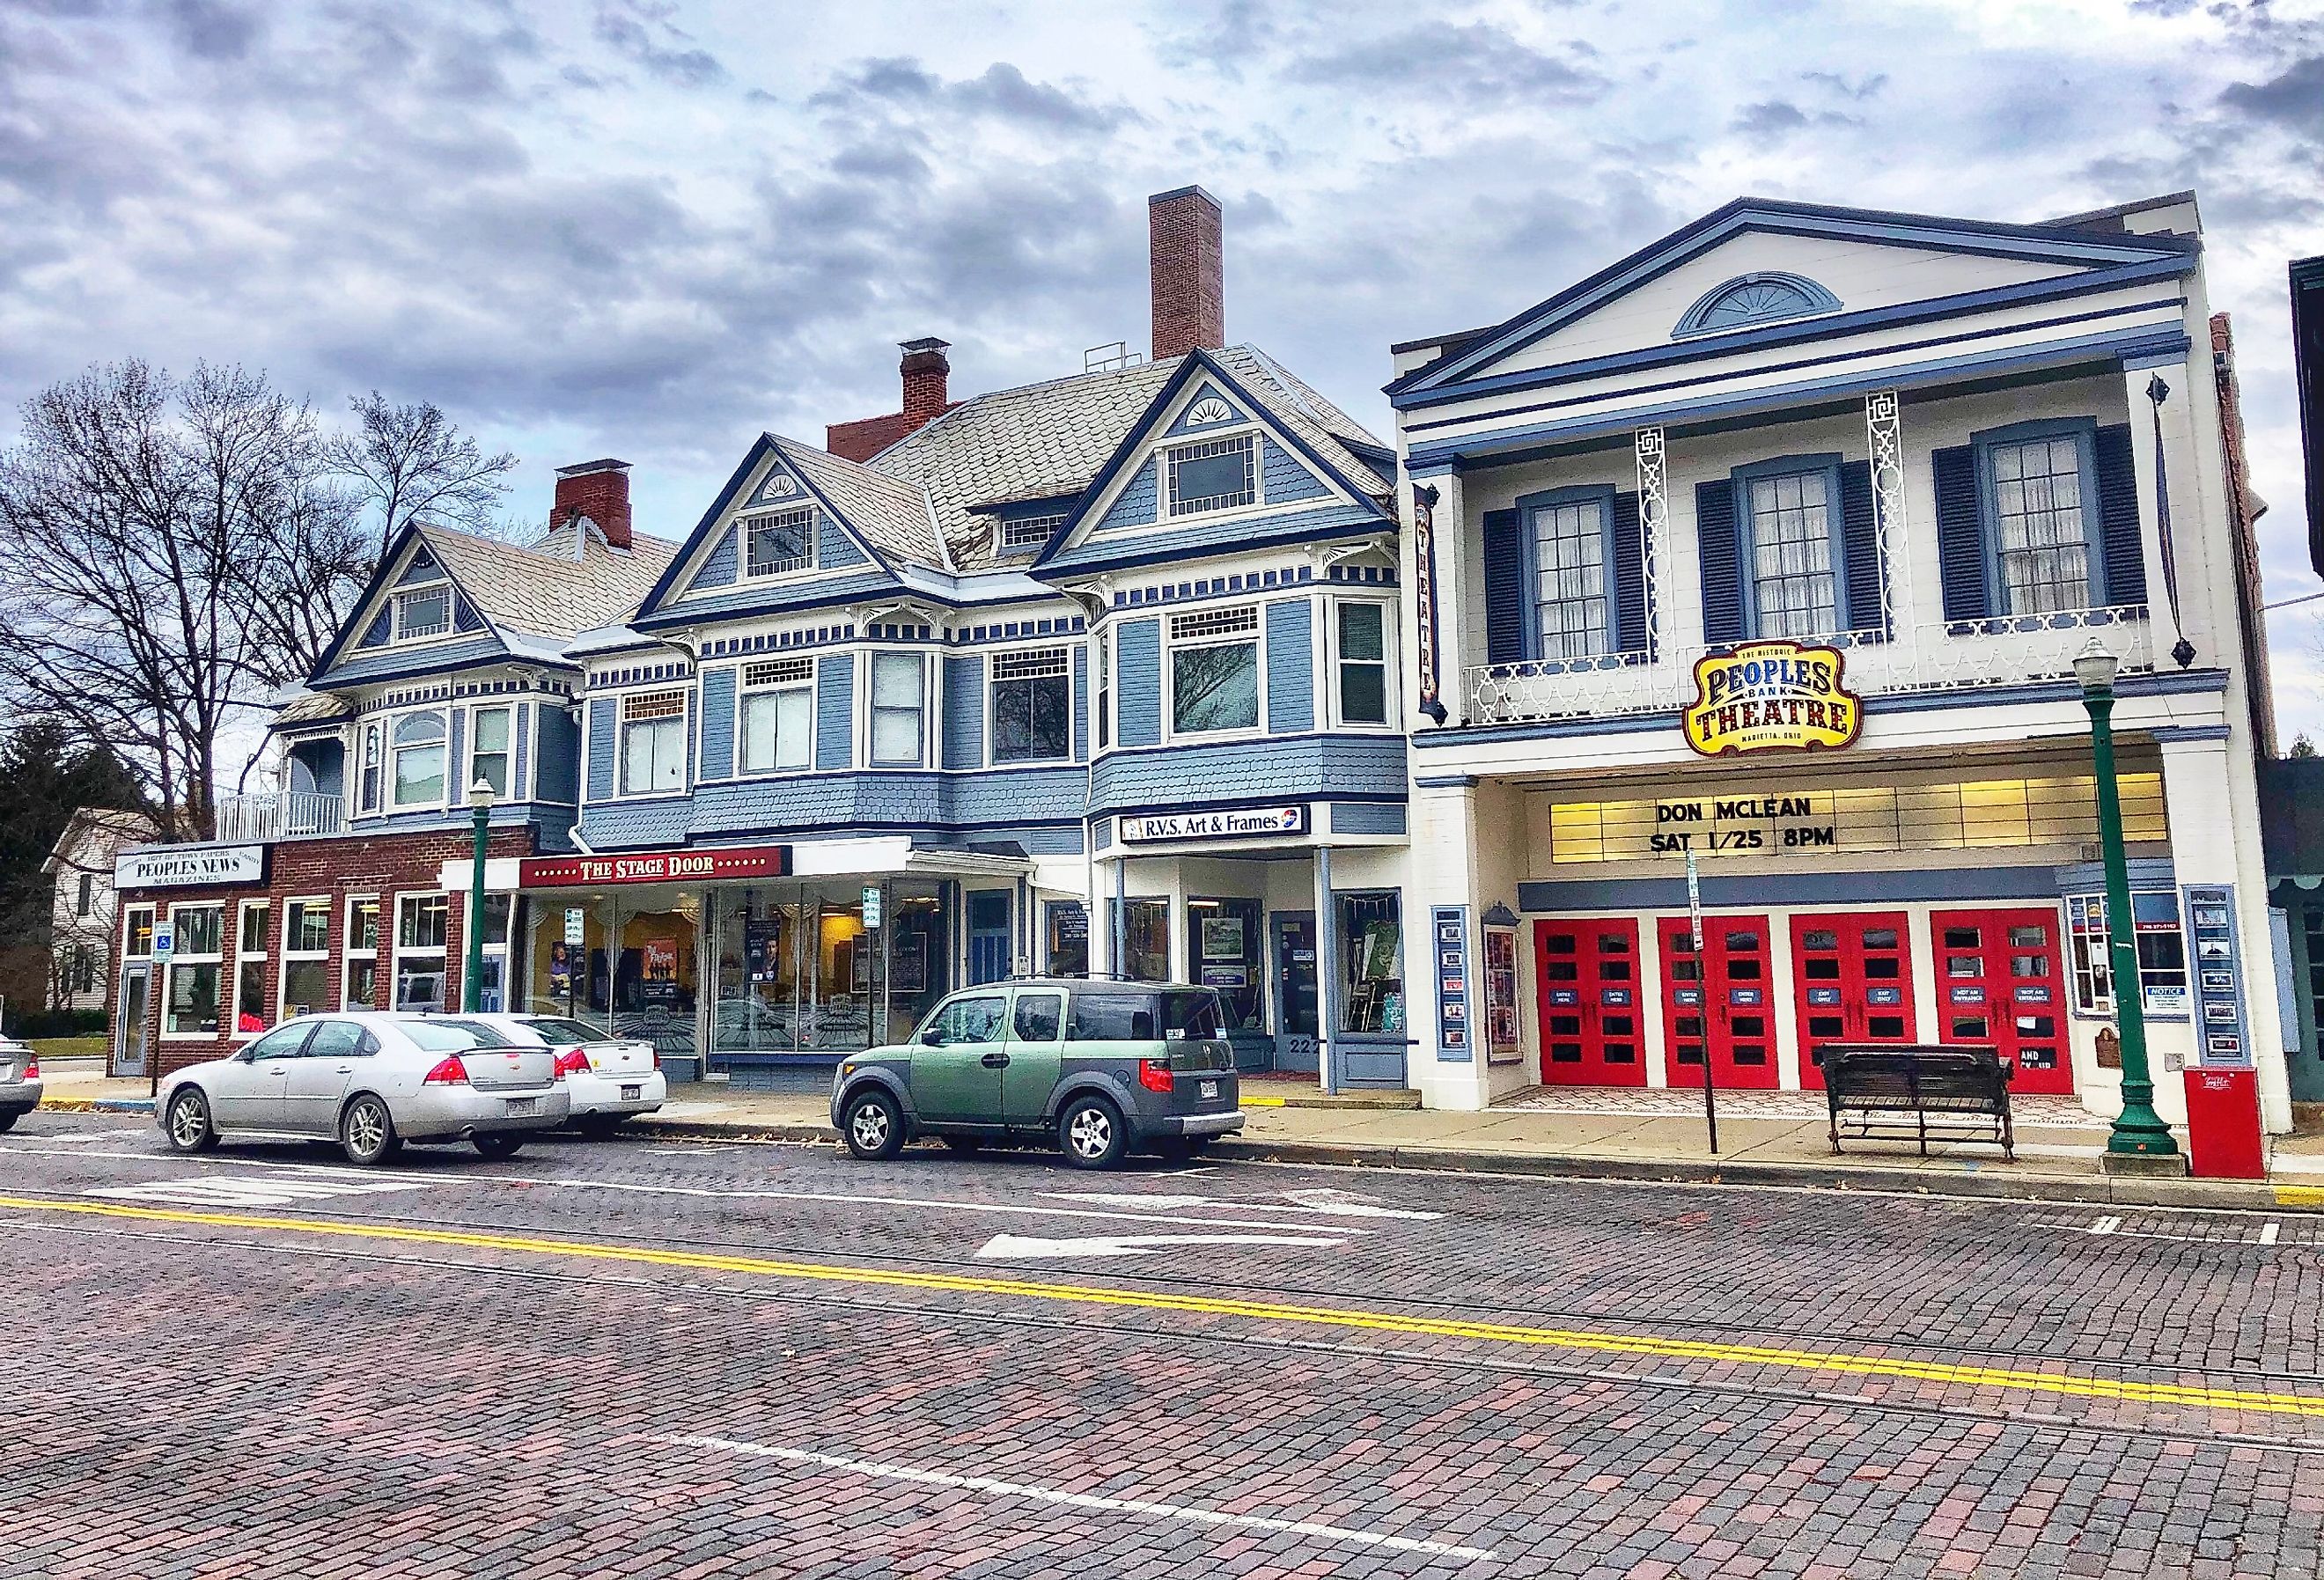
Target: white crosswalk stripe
[242, 1190]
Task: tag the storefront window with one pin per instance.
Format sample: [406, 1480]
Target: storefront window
[138, 942]
[1066, 924]
[1371, 958]
[306, 956]
[362, 951]
[1146, 940]
[2162, 953]
[499, 911]
[191, 999]
[566, 948]
[419, 933]
[1223, 941]
[250, 1016]
[800, 973]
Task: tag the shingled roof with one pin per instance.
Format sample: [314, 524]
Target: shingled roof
[1049, 440]
[544, 590]
[890, 512]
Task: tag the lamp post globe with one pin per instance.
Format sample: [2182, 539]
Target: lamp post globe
[481, 797]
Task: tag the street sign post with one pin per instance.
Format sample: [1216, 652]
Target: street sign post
[870, 905]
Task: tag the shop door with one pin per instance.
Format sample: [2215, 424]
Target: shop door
[1295, 991]
[2001, 982]
[1852, 982]
[988, 935]
[1717, 1007]
[129, 1036]
[1590, 1031]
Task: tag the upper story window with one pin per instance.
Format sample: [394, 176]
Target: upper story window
[489, 729]
[87, 897]
[1359, 635]
[1214, 670]
[898, 702]
[1104, 690]
[367, 778]
[1792, 524]
[419, 754]
[1032, 706]
[1573, 614]
[423, 611]
[778, 714]
[1216, 474]
[777, 543]
[1022, 533]
[2042, 538]
[653, 743]
[1754, 299]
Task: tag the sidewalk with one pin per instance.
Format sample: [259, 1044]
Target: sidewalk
[1766, 1138]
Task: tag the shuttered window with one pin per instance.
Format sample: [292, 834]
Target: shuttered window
[2039, 519]
[1572, 615]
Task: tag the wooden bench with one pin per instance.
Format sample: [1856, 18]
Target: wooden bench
[1894, 1091]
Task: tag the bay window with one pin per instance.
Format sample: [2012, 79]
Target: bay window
[367, 778]
[488, 755]
[653, 743]
[1214, 670]
[899, 693]
[418, 760]
[1361, 634]
[1032, 706]
[778, 714]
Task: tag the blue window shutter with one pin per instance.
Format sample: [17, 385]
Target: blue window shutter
[2124, 555]
[1505, 599]
[1961, 536]
[834, 710]
[1859, 549]
[1631, 594]
[1722, 563]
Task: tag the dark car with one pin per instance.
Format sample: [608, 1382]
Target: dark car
[1097, 1069]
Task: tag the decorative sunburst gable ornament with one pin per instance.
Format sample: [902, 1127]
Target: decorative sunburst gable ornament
[1210, 409]
[780, 485]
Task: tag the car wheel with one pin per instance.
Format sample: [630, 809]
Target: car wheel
[189, 1128]
[964, 1143]
[8, 1118]
[1091, 1134]
[497, 1143]
[872, 1125]
[366, 1133]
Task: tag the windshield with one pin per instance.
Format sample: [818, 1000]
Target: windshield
[452, 1036]
[557, 1029]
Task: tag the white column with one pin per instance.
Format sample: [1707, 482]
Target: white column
[1444, 870]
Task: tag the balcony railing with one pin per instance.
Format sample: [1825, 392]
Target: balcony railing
[285, 814]
[1956, 655]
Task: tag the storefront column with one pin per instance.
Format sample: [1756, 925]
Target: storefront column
[1327, 973]
[1444, 871]
[1118, 935]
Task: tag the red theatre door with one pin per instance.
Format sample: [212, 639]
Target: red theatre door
[2000, 980]
[1719, 1005]
[1590, 1025]
[1852, 982]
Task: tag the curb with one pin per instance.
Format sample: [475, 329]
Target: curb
[2224, 1195]
[97, 1106]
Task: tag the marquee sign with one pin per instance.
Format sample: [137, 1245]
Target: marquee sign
[180, 866]
[1768, 694]
[660, 866]
[1215, 825]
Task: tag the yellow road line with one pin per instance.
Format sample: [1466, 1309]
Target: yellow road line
[1862, 1365]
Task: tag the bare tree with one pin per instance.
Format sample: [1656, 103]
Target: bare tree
[412, 463]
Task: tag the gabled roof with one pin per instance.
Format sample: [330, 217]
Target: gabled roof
[2101, 246]
[1053, 441]
[890, 513]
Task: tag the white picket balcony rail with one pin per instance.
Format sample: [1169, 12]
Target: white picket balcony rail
[1956, 655]
[253, 820]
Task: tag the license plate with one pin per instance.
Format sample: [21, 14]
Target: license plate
[523, 1105]
[632, 1093]
[1210, 1088]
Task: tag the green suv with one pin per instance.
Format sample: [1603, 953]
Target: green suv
[1098, 1067]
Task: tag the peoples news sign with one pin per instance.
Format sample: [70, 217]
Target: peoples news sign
[1772, 695]
[185, 866]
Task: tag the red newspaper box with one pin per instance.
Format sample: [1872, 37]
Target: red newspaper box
[2223, 1134]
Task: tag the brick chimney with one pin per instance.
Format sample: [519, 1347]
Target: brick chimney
[1187, 272]
[599, 490]
[926, 370]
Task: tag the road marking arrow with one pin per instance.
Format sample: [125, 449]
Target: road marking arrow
[1025, 1247]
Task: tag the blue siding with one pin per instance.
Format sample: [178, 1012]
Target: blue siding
[1138, 664]
[835, 711]
[1287, 477]
[1367, 817]
[1290, 667]
[720, 566]
[421, 567]
[455, 758]
[1134, 507]
[601, 749]
[1295, 769]
[428, 658]
[949, 807]
[1018, 793]
[718, 723]
[834, 549]
[964, 712]
[557, 776]
[1188, 537]
[521, 730]
[637, 824]
[1080, 704]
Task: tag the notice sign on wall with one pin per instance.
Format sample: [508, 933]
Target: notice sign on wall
[1768, 695]
[1451, 925]
[1203, 824]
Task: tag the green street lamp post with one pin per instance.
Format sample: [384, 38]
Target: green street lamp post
[2138, 1130]
[472, 975]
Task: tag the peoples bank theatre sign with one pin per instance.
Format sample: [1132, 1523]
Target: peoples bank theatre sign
[1769, 695]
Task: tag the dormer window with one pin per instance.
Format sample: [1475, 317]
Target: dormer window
[423, 611]
[1020, 533]
[1218, 474]
[777, 543]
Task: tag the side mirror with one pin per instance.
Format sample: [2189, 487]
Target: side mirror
[933, 1037]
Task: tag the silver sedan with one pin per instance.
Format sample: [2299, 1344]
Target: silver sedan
[372, 1082]
[20, 1082]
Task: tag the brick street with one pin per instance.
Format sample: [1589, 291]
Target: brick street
[668, 1359]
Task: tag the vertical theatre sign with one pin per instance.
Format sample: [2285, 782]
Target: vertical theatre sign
[1769, 695]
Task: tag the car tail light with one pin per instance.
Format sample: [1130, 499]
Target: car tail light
[1154, 1074]
[655, 1054]
[32, 1069]
[572, 1061]
[448, 1072]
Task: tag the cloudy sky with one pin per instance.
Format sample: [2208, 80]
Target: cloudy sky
[651, 229]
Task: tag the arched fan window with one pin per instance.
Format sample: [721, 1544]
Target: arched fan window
[1755, 298]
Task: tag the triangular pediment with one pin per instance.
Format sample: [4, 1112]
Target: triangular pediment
[374, 631]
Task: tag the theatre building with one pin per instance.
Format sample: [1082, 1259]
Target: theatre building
[1752, 571]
